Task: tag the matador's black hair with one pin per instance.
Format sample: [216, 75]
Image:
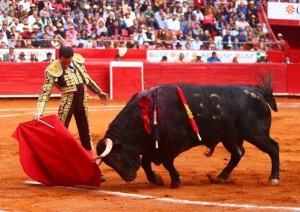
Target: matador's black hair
[66, 52]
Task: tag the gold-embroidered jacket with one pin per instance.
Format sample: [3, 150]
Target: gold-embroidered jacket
[65, 80]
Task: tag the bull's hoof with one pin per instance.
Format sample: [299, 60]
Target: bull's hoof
[158, 180]
[175, 184]
[208, 153]
[216, 180]
[274, 182]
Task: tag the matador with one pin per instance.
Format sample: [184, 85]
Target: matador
[69, 75]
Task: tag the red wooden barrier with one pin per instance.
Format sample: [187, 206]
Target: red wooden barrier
[24, 79]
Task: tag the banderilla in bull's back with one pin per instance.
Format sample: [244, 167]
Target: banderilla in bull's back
[157, 124]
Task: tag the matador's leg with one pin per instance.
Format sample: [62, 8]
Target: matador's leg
[81, 115]
[66, 108]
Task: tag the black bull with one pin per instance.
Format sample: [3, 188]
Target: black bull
[229, 114]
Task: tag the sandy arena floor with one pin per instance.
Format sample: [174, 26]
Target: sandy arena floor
[249, 189]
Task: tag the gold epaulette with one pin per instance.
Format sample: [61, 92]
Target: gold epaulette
[55, 69]
[78, 58]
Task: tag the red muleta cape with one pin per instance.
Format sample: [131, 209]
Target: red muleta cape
[51, 155]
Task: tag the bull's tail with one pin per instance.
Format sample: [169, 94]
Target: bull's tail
[266, 88]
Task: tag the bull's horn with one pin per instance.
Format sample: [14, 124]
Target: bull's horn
[109, 145]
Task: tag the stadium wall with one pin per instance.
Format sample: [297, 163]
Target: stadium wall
[24, 80]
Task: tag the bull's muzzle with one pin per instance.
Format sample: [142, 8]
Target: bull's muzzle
[109, 144]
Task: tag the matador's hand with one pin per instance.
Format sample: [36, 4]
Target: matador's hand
[104, 97]
[37, 117]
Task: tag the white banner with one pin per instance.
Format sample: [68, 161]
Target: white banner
[225, 56]
[283, 11]
[41, 54]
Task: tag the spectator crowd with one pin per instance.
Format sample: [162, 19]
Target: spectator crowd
[159, 24]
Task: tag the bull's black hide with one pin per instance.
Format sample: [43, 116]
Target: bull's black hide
[228, 114]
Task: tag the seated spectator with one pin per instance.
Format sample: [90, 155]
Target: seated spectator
[33, 57]
[197, 59]
[152, 23]
[173, 22]
[188, 13]
[218, 41]
[3, 38]
[29, 44]
[12, 41]
[149, 36]
[236, 44]
[79, 40]
[115, 30]
[281, 42]
[89, 42]
[197, 31]
[60, 30]
[49, 57]
[188, 46]
[93, 33]
[94, 24]
[252, 8]
[26, 34]
[3, 45]
[235, 60]
[146, 45]
[181, 58]
[6, 32]
[198, 13]
[241, 9]
[241, 36]
[159, 45]
[205, 36]
[138, 37]
[220, 24]
[258, 31]
[161, 35]
[71, 32]
[242, 23]
[56, 41]
[227, 39]
[22, 57]
[192, 22]
[196, 43]
[210, 44]
[20, 44]
[214, 58]
[263, 58]
[209, 9]
[102, 30]
[37, 31]
[253, 21]
[148, 13]
[169, 45]
[161, 19]
[287, 59]
[45, 41]
[67, 42]
[164, 59]
[208, 23]
[84, 34]
[178, 46]
[262, 43]
[10, 56]
[100, 42]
